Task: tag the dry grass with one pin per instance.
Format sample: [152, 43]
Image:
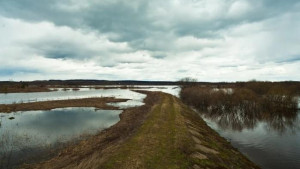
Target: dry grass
[48, 105]
[276, 99]
[162, 142]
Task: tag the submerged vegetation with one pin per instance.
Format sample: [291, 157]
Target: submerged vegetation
[242, 104]
[17, 149]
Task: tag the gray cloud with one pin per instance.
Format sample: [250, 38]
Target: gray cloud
[62, 50]
[116, 35]
[135, 20]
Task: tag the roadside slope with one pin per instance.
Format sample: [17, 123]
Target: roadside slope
[174, 136]
[164, 133]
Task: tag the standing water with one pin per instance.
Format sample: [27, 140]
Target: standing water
[272, 142]
[31, 132]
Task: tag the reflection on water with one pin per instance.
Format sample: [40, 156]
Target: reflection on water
[127, 104]
[173, 90]
[69, 94]
[50, 126]
[61, 94]
[39, 129]
[279, 121]
[271, 140]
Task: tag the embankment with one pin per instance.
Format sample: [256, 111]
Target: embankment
[163, 133]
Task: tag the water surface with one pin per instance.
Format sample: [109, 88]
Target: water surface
[135, 98]
[70, 94]
[31, 131]
[51, 126]
[272, 142]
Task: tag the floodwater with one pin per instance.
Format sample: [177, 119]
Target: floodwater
[25, 134]
[51, 126]
[37, 130]
[271, 142]
[135, 98]
[69, 94]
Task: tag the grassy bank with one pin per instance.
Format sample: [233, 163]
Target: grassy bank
[164, 133]
[48, 105]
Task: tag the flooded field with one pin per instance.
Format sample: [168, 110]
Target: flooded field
[33, 131]
[28, 133]
[84, 92]
[271, 142]
[11, 98]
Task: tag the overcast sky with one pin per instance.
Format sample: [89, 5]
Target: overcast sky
[211, 40]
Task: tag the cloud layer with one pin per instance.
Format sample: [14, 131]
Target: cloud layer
[211, 40]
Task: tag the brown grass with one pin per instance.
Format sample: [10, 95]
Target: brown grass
[247, 99]
[48, 105]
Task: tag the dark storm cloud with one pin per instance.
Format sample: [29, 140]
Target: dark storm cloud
[62, 50]
[120, 17]
[263, 9]
[289, 59]
[130, 20]
[159, 56]
[28, 9]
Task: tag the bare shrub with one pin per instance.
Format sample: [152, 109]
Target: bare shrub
[247, 103]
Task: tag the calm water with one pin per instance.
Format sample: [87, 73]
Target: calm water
[135, 98]
[272, 143]
[51, 126]
[61, 95]
[32, 130]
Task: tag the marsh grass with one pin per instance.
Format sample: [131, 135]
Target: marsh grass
[17, 149]
[246, 105]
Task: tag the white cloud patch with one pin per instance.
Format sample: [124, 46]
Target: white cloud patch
[240, 8]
